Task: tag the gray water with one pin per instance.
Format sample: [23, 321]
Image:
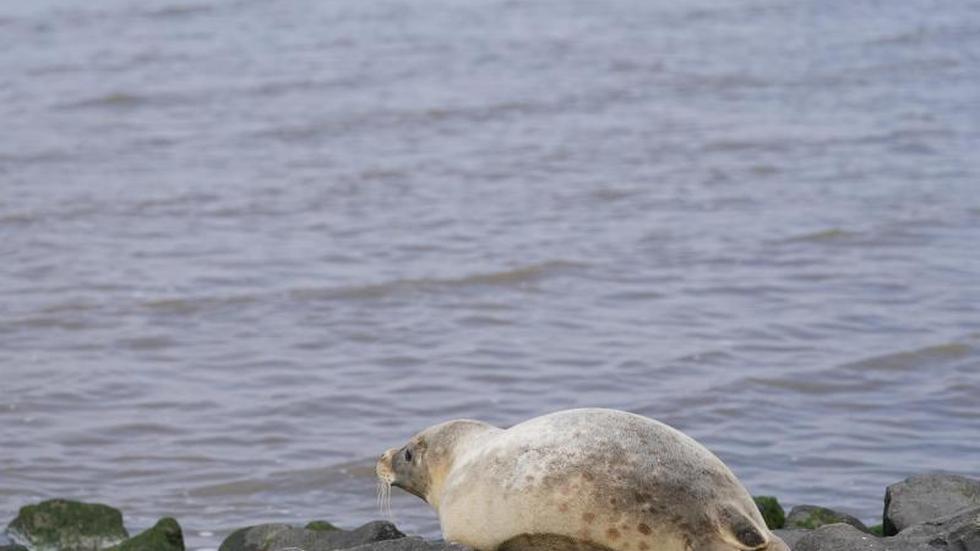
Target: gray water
[248, 245]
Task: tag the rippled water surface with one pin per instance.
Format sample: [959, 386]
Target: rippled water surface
[246, 246]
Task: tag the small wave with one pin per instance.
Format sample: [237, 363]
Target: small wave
[37, 157]
[613, 194]
[514, 277]
[903, 38]
[120, 101]
[180, 10]
[153, 342]
[236, 488]
[18, 219]
[113, 100]
[510, 278]
[140, 429]
[139, 458]
[913, 360]
[191, 305]
[824, 236]
[164, 203]
[817, 384]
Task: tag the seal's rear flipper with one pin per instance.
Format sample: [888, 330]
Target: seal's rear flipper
[746, 533]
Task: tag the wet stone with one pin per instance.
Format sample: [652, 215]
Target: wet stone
[270, 537]
[411, 544]
[812, 516]
[926, 497]
[790, 536]
[165, 535]
[840, 537]
[66, 525]
[957, 532]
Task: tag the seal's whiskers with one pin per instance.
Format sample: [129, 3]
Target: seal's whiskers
[384, 497]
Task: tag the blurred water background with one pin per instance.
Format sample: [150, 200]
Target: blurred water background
[245, 245]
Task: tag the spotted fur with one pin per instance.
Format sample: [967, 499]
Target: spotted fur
[576, 479]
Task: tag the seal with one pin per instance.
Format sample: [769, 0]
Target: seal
[574, 480]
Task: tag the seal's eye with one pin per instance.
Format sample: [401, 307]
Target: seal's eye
[408, 454]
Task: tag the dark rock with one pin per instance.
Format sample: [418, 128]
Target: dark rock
[791, 536]
[957, 532]
[165, 535]
[12, 547]
[772, 511]
[411, 544]
[840, 537]
[270, 537]
[64, 525]
[925, 497]
[320, 525]
[812, 516]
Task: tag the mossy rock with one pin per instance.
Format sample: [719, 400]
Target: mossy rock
[320, 526]
[772, 511]
[65, 525]
[877, 530]
[165, 535]
[812, 517]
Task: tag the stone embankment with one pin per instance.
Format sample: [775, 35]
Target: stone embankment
[927, 512]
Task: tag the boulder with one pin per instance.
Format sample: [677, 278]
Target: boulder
[411, 544]
[957, 532]
[772, 511]
[839, 537]
[165, 535]
[65, 525]
[926, 497]
[270, 537]
[812, 516]
[791, 536]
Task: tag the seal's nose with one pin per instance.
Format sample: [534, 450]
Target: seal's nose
[386, 456]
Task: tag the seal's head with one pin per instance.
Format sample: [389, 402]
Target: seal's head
[403, 467]
[420, 466]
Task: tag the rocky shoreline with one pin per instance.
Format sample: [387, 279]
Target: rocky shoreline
[926, 512]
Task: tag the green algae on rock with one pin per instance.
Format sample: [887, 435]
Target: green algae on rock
[772, 511]
[813, 516]
[165, 535]
[320, 526]
[66, 525]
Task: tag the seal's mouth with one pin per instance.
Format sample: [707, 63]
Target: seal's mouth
[396, 483]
